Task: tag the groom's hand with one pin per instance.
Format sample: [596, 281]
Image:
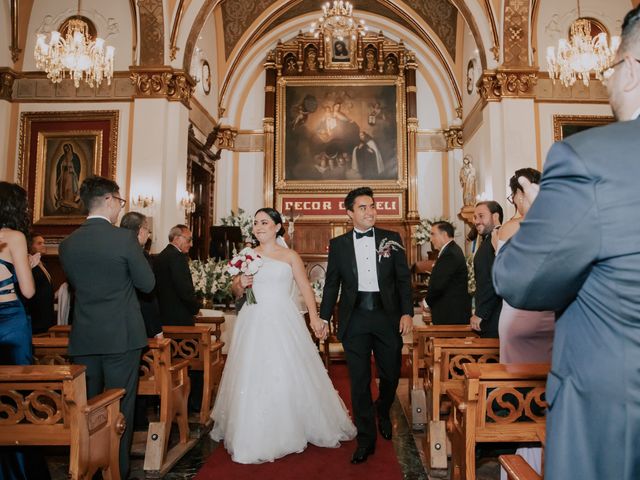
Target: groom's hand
[406, 324]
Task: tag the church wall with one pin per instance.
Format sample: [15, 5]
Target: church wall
[8, 159]
[112, 21]
[207, 45]
[546, 111]
[471, 75]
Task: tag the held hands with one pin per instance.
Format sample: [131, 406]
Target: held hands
[475, 322]
[406, 324]
[319, 327]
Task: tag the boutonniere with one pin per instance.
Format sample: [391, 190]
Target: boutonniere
[386, 247]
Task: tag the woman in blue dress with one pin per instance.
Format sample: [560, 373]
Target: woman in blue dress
[15, 326]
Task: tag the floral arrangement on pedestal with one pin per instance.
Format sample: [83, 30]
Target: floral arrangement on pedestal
[318, 288]
[423, 229]
[243, 220]
[210, 280]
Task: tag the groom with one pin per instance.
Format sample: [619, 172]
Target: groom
[368, 268]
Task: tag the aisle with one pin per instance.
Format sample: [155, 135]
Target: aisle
[314, 463]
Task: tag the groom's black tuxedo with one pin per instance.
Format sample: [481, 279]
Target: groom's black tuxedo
[371, 327]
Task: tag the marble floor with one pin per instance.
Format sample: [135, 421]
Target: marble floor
[407, 444]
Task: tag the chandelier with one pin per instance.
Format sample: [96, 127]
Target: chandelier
[77, 55]
[337, 18]
[581, 54]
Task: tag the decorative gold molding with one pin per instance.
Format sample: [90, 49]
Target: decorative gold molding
[165, 82]
[7, 79]
[226, 138]
[15, 50]
[453, 135]
[578, 123]
[507, 83]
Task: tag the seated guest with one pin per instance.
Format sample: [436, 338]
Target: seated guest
[137, 222]
[40, 306]
[176, 295]
[447, 294]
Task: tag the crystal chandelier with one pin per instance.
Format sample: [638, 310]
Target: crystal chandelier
[76, 55]
[337, 18]
[581, 54]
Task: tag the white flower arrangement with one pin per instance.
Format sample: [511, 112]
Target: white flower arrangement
[318, 288]
[210, 280]
[243, 220]
[422, 234]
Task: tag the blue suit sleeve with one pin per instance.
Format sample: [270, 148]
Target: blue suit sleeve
[545, 264]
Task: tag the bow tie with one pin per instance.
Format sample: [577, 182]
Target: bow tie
[368, 233]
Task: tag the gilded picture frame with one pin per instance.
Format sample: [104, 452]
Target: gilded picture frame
[566, 125]
[58, 150]
[335, 133]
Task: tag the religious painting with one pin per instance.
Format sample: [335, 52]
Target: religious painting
[339, 52]
[340, 132]
[566, 125]
[58, 150]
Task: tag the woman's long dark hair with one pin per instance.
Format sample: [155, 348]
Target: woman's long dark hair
[275, 216]
[14, 208]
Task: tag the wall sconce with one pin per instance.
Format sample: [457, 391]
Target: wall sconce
[145, 201]
[188, 203]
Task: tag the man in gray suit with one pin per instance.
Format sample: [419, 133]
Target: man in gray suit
[105, 264]
[578, 253]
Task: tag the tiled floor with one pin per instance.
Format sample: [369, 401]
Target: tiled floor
[407, 443]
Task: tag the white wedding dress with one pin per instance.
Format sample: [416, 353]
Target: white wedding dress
[275, 395]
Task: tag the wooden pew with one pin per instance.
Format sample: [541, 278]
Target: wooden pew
[203, 354]
[498, 403]
[517, 468]
[170, 381]
[445, 359]
[213, 320]
[47, 405]
[158, 376]
[421, 359]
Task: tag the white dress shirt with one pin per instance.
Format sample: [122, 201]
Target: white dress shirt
[365, 248]
[443, 247]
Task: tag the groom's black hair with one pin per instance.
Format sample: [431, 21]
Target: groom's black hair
[275, 216]
[350, 199]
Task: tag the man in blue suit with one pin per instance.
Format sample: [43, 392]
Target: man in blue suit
[578, 253]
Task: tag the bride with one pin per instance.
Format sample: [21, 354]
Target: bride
[275, 395]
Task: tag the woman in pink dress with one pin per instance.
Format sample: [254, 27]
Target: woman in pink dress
[525, 336]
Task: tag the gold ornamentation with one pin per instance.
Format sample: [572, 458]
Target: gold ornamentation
[225, 139]
[174, 85]
[152, 30]
[507, 83]
[453, 135]
[564, 125]
[516, 28]
[7, 79]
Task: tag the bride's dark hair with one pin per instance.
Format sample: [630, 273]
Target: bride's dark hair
[275, 216]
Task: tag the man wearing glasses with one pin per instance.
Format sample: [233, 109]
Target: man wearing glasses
[177, 297]
[577, 252]
[104, 265]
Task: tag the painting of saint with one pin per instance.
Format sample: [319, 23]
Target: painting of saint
[340, 51]
[67, 174]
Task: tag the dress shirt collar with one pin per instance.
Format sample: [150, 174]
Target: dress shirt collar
[443, 247]
[355, 230]
[98, 216]
[636, 114]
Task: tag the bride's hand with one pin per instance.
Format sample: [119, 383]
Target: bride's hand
[246, 280]
[319, 328]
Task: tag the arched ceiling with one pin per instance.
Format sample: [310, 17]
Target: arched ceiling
[238, 15]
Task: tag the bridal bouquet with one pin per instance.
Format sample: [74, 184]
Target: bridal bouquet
[247, 262]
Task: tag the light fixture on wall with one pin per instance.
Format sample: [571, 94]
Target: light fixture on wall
[581, 54]
[77, 55]
[188, 203]
[143, 201]
[337, 18]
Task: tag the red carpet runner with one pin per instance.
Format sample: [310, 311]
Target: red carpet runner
[314, 463]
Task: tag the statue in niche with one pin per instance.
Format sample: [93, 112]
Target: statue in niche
[291, 67]
[311, 61]
[370, 60]
[391, 65]
[468, 181]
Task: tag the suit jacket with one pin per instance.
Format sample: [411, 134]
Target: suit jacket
[40, 306]
[150, 307]
[176, 295]
[577, 251]
[448, 296]
[104, 264]
[488, 303]
[394, 280]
